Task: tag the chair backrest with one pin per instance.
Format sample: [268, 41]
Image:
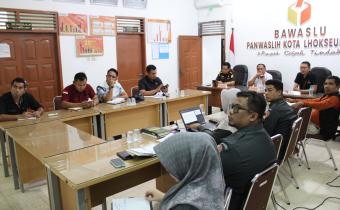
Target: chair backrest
[277, 141]
[228, 96]
[241, 75]
[134, 90]
[276, 74]
[261, 189]
[321, 73]
[294, 135]
[305, 113]
[57, 102]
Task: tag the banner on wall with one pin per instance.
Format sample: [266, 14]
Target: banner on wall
[89, 46]
[102, 26]
[73, 24]
[158, 31]
[301, 38]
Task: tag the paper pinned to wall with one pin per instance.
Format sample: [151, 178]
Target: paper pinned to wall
[158, 31]
[5, 50]
[160, 51]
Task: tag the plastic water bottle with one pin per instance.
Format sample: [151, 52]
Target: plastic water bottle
[310, 92]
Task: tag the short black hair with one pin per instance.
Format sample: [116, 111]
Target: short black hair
[19, 80]
[113, 70]
[226, 64]
[256, 102]
[261, 64]
[336, 79]
[278, 85]
[307, 63]
[80, 76]
[150, 68]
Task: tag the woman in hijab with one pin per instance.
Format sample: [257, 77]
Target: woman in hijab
[192, 159]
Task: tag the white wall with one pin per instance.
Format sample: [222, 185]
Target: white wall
[182, 14]
[257, 20]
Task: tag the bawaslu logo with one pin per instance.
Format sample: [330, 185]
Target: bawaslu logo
[305, 39]
[300, 12]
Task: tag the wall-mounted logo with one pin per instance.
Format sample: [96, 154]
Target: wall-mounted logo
[299, 13]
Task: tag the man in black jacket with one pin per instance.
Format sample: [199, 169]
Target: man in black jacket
[280, 116]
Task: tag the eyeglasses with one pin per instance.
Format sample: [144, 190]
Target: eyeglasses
[111, 76]
[235, 108]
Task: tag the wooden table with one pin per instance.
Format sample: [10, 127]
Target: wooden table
[190, 98]
[83, 178]
[121, 118]
[30, 144]
[298, 95]
[84, 120]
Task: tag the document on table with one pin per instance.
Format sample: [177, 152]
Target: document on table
[130, 204]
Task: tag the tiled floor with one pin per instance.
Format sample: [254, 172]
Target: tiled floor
[313, 188]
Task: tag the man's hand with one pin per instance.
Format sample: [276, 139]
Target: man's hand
[220, 148]
[37, 114]
[154, 195]
[194, 126]
[28, 114]
[297, 105]
[87, 104]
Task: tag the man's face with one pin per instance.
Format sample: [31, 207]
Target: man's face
[80, 85]
[18, 89]
[272, 94]
[261, 70]
[111, 77]
[225, 69]
[304, 69]
[240, 116]
[330, 86]
[152, 74]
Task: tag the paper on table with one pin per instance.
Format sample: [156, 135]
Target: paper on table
[143, 151]
[116, 101]
[130, 204]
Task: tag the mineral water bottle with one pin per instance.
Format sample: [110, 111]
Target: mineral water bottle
[310, 90]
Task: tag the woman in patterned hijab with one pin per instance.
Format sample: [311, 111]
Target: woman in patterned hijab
[193, 160]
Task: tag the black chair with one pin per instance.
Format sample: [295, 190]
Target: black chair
[305, 113]
[321, 73]
[241, 75]
[276, 74]
[57, 102]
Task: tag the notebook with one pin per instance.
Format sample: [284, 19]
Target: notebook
[194, 115]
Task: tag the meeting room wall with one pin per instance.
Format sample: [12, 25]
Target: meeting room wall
[182, 14]
[267, 21]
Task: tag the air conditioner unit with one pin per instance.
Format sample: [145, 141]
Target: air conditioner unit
[200, 4]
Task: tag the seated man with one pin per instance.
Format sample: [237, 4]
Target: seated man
[249, 150]
[226, 75]
[280, 116]
[151, 84]
[18, 103]
[260, 78]
[111, 88]
[79, 94]
[325, 110]
[304, 79]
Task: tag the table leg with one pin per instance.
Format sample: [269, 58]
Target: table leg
[54, 191]
[95, 126]
[81, 203]
[14, 162]
[3, 153]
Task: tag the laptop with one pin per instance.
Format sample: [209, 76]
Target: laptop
[194, 115]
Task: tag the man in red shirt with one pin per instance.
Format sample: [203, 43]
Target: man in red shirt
[325, 110]
[79, 94]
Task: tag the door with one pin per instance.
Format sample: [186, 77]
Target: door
[190, 61]
[33, 57]
[130, 59]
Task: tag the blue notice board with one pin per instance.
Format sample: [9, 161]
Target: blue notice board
[160, 51]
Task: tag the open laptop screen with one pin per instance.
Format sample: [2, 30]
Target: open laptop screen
[192, 115]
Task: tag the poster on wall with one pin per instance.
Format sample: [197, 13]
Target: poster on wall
[160, 51]
[73, 24]
[89, 46]
[102, 26]
[158, 31]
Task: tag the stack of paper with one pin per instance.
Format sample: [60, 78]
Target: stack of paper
[143, 151]
[116, 101]
[130, 204]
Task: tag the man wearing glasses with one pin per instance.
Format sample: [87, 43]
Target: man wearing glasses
[111, 88]
[249, 150]
[18, 103]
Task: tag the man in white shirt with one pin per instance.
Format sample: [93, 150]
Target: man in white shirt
[111, 88]
[260, 78]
